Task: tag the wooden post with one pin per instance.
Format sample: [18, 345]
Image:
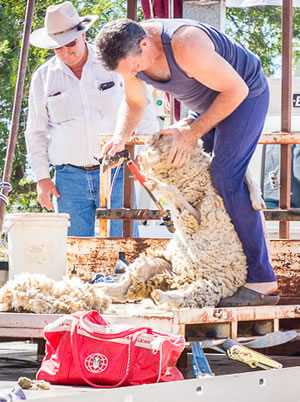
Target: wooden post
[128, 185]
[104, 202]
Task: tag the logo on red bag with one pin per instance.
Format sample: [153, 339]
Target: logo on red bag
[96, 363]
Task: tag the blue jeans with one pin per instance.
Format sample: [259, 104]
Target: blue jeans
[272, 162]
[79, 197]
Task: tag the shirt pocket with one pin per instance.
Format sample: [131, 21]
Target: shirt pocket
[59, 108]
[110, 99]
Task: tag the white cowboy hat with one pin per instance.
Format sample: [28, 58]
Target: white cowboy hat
[62, 25]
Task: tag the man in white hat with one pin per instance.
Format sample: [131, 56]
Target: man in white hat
[72, 98]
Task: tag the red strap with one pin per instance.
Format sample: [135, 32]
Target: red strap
[78, 362]
[85, 318]
[94, 317]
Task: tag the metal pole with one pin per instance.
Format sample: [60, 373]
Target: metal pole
[286, 108]
[151, 7]
[171, 98]
[132, 9]
[171, 8]
[17, 105]
[128, 184]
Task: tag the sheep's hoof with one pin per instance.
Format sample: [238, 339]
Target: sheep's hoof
[116, 290]
[258, 204]
[150, 184]
[172, 298]
[157, 295]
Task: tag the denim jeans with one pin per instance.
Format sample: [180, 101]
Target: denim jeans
[272, 163]
[79, 191]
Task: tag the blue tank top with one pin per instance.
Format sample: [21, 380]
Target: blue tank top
[191, 92]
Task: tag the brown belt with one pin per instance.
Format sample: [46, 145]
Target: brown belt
[95, 167]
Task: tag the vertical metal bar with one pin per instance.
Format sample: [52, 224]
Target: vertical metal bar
[104, 201]
[171, 8]
[234, 330]
[286, 108]
[128, 185]
[276, 325]
[132, 9]
[17, 104]
[128, 191]
[171, 98]
[172, 109]
[151, 8]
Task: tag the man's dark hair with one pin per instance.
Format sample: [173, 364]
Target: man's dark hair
[118, 39]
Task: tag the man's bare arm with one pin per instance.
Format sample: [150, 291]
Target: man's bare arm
[130, 114]
[200, 61]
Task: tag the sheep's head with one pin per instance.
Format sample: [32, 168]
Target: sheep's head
[154, 158]
[191, 179]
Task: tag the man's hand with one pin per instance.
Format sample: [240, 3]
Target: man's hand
[45, 188]
[113, 146]
[184, 143]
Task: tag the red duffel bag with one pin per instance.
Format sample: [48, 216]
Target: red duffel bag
[82, 348]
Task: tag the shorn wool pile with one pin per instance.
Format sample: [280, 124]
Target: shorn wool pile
[39, 294]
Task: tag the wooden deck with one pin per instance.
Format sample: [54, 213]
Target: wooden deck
[206, 323]
[91, 255]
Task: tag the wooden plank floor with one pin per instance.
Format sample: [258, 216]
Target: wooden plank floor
[192, 323]
[91, 255]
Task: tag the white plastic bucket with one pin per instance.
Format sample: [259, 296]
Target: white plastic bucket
[37, 243]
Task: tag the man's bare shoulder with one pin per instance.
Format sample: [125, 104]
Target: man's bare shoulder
[188, 35]
[151, 26]
[191, 45]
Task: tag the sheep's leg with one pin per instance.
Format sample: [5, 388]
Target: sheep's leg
[172, 197]
[255, 192]
[175, 298]
[117, 291]
[154, 266]
[195, 295]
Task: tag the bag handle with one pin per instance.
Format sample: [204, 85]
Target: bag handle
[101, 335]
[78, 362]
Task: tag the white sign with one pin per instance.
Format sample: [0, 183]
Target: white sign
[296, 100]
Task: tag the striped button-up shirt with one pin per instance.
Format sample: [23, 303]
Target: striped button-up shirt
[66, 113]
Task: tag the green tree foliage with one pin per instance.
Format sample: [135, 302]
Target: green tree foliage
[259, 29]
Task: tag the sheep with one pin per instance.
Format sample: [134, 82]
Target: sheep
[37, 293]
[201, 264]
[204, 261]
